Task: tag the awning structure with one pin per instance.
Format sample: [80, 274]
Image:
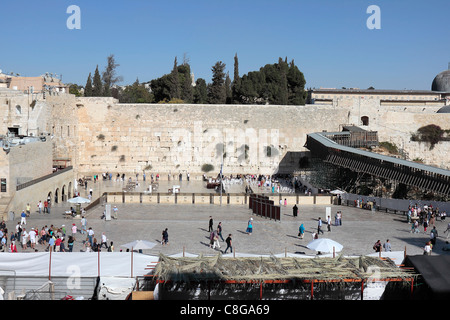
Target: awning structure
[314, 275]
[409, 173]
[435, 273]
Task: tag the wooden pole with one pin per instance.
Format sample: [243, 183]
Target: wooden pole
[50, 265]
[260, 290]
[362, 289]
[312, 290]
[334, 252]
[132, 262]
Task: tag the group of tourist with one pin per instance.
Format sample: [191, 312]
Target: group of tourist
[216, 234]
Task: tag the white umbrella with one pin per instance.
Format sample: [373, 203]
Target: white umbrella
[337, 191]
[139, 245]
[79, 200]
[325, 245]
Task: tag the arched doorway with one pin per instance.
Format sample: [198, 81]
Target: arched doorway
[56, 195]
[49, 197]
[63, 194]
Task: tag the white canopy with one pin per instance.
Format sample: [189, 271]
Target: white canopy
[79, 200]
[325, 245]
[139, 245]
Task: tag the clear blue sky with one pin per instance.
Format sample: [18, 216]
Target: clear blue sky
[328, 39]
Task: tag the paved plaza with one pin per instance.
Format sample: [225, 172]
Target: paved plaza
[188, 228]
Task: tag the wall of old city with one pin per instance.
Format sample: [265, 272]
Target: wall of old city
[169, 139]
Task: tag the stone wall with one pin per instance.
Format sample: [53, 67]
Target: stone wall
[129, 138]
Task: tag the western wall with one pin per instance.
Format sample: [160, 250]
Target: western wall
[102, 135]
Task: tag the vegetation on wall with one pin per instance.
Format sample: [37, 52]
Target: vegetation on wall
[431, 134]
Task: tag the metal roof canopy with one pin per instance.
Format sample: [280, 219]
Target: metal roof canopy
[319, 137]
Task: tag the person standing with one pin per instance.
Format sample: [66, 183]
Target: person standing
[433, 236]
[229, 244]
[39, 205]
[319, 226]
[295, 210]
[377, 246]
[70, 243]
[28, 209]
[387, 246]
[115, 211]
[74, 231]
[24, 238]
[83, 225]
[329, 223]
[90, 236]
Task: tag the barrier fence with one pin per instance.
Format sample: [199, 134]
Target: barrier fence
[264, 207]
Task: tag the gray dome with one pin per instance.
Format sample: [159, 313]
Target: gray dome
[445, 109]
[441, 82]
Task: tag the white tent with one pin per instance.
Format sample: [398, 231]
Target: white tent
[84, 264]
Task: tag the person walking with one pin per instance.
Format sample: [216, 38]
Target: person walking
[165, 236]
[250, 226]
[433, 236]
[219, 230]
[301, 231]
[23, 218]
[116, 212]
[329, 223]
[427, 249]
[229, 244]
[216, 240]
[319, 226]
[211, 223]
[104, 241]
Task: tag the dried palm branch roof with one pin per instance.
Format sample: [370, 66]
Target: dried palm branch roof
[249, 269]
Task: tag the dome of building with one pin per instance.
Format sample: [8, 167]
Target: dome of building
[441, 82]
[445, 109]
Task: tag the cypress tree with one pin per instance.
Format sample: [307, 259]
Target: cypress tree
[88, 87]
[98, 85]
[175, 86]
[217, 93]
[236, 81]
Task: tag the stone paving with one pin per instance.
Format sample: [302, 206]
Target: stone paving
[188, 228]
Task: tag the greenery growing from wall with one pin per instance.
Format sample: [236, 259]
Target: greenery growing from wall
[431, 134]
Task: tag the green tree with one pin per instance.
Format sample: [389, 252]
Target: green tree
[184, 73]
[74, 89]
[97, 83]
[236, 81]
[217, 93]
[228, 93]
[88, 87]
[109, 75]
[200, 91]
[174, 82]
[136, 93]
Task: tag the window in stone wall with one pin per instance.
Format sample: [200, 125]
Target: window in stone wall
[3, 185]
[18, 110]
[365, 120]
